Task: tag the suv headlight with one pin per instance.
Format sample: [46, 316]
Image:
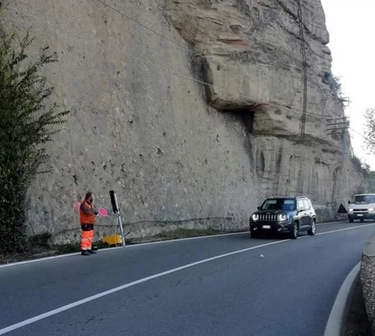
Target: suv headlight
[351, 210]
[371, 209]
[255, 217]
[282, 217]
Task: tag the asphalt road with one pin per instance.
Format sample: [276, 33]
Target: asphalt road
[263, 287]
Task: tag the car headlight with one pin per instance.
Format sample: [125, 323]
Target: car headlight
[255, 217]
[282, 217]
[351, 210]
[371, 209]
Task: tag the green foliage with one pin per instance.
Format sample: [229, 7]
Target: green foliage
[335, 85]
[370, 182]
[68, 248]
[42, 240]
[27, 123]
[360, 166]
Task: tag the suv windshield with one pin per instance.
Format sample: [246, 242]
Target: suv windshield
[279, 204]
[364, 199]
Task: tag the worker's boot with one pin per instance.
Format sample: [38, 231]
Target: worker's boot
[92, 252]
[85, 253]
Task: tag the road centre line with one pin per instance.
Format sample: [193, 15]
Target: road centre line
[149, 278]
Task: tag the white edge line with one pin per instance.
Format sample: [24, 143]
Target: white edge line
[120, 247]
[19, 263]
[122, 287]
[336, 317]
[185, 239]
[347, 229]
[155, 276]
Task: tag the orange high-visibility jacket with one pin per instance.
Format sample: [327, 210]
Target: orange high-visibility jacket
[86, 217]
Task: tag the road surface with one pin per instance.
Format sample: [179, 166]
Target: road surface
[227, 285]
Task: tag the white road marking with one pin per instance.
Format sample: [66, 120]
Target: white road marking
[347, 229]
[19, 263]
[155, 276]
[185, 239]
[336, 317]
[116, 248]
[139, 245]
[130, 284]
[213, 236]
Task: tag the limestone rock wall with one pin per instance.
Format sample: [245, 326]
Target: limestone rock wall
[190, 110]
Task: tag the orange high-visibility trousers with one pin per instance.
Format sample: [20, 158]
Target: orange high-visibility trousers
[87, 236]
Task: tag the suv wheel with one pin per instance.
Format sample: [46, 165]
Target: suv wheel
[254, 234]
[294, 231]
[351, 220]
[311, 232]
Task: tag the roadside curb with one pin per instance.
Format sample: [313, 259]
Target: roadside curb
[367, 276]
[339, 309]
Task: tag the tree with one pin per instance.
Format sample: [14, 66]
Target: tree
[370, 182]
[370, 129]
[27, 124]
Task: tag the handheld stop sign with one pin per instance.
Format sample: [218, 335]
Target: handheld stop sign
[102, 212]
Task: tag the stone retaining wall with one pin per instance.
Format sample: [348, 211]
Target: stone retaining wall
[368, 279]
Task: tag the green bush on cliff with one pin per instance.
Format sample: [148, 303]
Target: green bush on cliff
[370, 182]
[335, 85]
[27, 124]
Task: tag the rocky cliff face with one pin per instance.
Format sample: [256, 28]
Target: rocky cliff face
[193, 111]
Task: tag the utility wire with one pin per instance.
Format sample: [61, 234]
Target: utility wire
[148, 62]
[163, 68]
[174, 42]
[361, 135]
[143, 26]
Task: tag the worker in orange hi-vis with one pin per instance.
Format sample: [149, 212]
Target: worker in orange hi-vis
[87, 218]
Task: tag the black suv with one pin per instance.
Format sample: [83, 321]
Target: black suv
[283, 215]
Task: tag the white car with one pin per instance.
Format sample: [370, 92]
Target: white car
[362, 207]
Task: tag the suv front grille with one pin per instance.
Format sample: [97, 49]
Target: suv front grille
[268, 218]
[360, 210]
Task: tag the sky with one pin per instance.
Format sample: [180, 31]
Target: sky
[351, 25]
